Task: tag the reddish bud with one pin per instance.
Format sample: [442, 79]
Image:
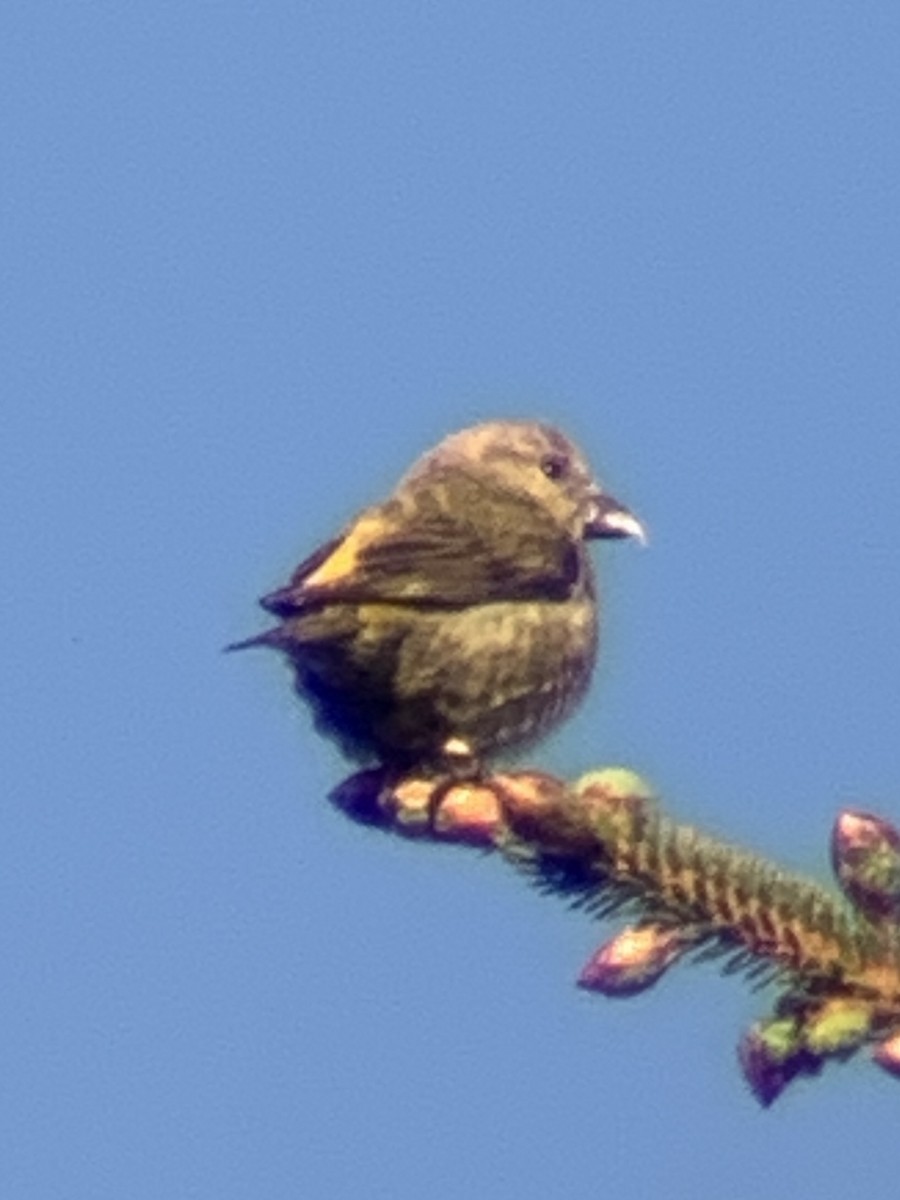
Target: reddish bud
[469, 812]
[633, 960]
[887, 1054]
[771, 1055]
[528, 794]
[410, 802]
[865, 855]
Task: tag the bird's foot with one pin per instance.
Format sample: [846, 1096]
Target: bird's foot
[458, 760]
[423, 803]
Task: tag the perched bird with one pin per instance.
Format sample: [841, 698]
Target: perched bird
[458, 618]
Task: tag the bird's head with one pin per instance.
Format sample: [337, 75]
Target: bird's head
[533, 457]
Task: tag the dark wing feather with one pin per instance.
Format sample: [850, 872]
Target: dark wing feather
[447, 539]
[283, 601]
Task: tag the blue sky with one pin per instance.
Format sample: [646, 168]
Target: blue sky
[258, 257]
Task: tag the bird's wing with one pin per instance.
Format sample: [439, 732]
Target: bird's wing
[445, 539]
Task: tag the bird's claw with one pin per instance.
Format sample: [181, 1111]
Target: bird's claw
[449, 807]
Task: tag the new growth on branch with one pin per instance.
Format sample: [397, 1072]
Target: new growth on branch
[605, 843]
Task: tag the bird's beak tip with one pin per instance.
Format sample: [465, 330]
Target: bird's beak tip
[626, 524]
[610, 519]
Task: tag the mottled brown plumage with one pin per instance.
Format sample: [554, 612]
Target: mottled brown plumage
[459, 617]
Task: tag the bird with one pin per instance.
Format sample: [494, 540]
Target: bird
[457, 620]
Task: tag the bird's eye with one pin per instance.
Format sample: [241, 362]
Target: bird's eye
[554, 466]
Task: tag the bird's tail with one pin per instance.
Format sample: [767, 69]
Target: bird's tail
[268, 638]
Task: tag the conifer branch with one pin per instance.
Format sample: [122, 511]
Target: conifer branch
[605, 844]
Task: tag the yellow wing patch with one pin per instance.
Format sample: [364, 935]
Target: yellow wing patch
[340, 566]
